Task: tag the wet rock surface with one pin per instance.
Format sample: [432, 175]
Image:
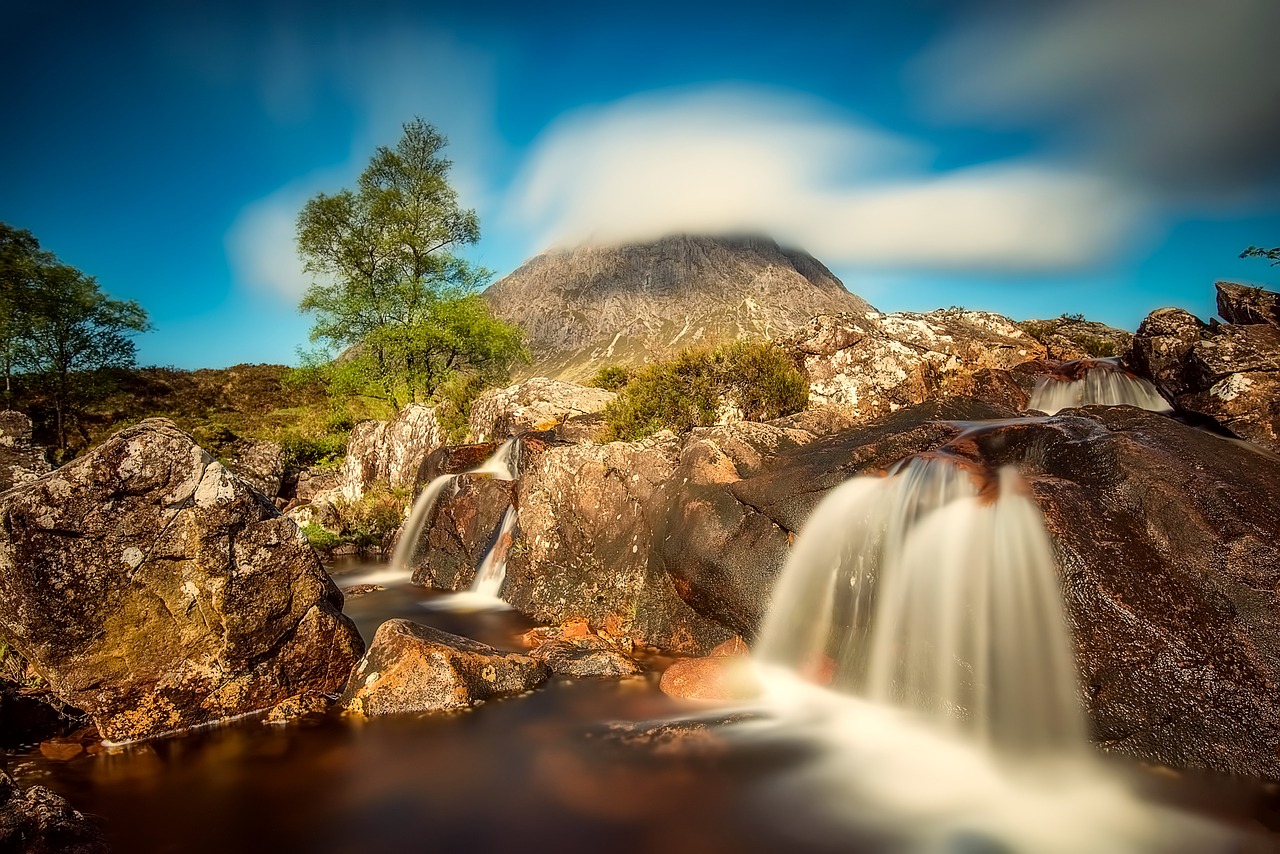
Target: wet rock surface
[586, 656]
[721, 678]
[154, 590]
[459, 531]
[1166, 538]
[38, 821]
[415, 668]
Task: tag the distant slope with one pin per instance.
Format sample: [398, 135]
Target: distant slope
[594, 306]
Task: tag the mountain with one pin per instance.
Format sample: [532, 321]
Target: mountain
[593, 306]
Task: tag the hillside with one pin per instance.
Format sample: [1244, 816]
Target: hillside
[593, 306]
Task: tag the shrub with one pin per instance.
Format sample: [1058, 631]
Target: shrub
[611, 377]
[453, 401]
[304, 451]
[321, 539]
[694, 388]
[373, 520]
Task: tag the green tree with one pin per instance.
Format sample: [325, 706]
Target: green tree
[389, 289]
[71, 332]
[1272, 255]
[20, 260]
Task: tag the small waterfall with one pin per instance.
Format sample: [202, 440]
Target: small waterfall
[933, 589]
[499, 465]
[1089, 382]
[493, 569]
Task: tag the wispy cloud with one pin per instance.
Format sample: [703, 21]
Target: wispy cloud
[386, 79]
[733, 159]
[1181, 96]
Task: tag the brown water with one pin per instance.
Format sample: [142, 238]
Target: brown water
[532, 773]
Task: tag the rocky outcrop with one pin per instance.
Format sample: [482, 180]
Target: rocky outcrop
[1166, 538]
[390, 451]
[1229, 373]
[875, 364]
[535, 404]
[594, 306]
[20, 460]
[1245, 305]
[1069, 338]
[586, 544]
[155, 590]
[414, 668]
[459, 531]
[38, 821]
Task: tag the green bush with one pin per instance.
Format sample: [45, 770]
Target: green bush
[453, 401]
[321, 539]
[611, 377]
[304, 451]
[373, 520]
[692, 390]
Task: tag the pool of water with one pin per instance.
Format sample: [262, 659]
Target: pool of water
[545, 772]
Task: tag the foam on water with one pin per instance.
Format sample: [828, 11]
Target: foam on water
[1095, 383]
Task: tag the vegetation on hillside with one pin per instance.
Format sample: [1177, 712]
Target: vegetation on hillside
[754, 381]
[391, 299]
[1272, 255]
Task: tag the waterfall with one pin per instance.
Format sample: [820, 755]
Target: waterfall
[493, 568]
[934, 590]
[1089, 382]
[501, 465]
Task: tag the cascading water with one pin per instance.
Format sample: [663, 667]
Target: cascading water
[917, 636]
[493, 568]
[933, 589]
[1090, 382]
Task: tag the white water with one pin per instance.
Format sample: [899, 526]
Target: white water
[1101, 386]
[916, 637]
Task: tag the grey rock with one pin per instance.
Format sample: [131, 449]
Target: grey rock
[1243, 304]
[537, 403]
[21, 461]
[38, 821]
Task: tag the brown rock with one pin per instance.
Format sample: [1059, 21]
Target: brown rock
[534, 404]
[1244, 305]
[61, 749]
[733, 646]
[155, 590]
[587, 655]
[720, 677]
[299, 707]
[37, 821]
[21, 461]
[413, 668]
[1162, 346]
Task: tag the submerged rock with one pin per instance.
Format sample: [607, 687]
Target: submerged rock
[153, 589]
[586, 655]
[714, 677]
[414, 668]
[38, 821]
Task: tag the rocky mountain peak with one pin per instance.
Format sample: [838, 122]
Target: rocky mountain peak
[592, 306]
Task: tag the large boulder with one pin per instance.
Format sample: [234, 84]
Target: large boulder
[155, 590]
[1162, 347]
[260, 464]
[1167, 538]
[534, 404]
[874, 364]
[21, 461]
[1245, 305]
[587, 544]
[415, 668]
[390, 451]
[39, 821]
[1069, 338]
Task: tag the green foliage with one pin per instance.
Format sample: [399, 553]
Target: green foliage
[321, 539]
[389, 291]
[1100, 348]
[1039, 329]
[373, 521]
[611, 377]
[325, 450]
[453, 404]
[58, 327]
[1272, 255]
[694, 388]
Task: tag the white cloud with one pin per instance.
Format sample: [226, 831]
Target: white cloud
[1179, 94]
[733, 159]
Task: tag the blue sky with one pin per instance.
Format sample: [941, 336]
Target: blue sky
[1099, 156]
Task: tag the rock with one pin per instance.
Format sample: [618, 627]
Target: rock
[153, 589]
[733, 646]
[875, 364]
[1167, 538]
[586, 539]
[37, 821]
[716, 677]
[1233, 350]
[1247, 404]
[1162, 346]
[594, 306]
[260, 464]
[299, 707]
[1067, 339]
[362, 589]
[1243, 305]
[586, 656]
[20, 460]
[390, 451]
[535, 404]
[990, 385]
[413, 668]
[313, 481]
